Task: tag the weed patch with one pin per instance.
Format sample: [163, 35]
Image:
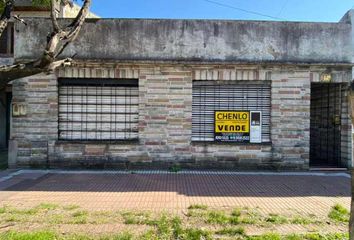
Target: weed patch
[231, 231]
[2, 210]
[311, 236]
[202, 222]
[198, 206]
[268, 236]
[137, 218]
[339, 213]
[80, 214]
[302, 220]
[79, 217]
[196, 234]
[276, 219]
[236, 212]
[47, 206]
[217, 217]
[164, 233]
[251, 217]
[28, 236]
[195, 213]
[71, 207]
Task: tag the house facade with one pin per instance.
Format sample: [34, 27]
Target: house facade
[152, 93]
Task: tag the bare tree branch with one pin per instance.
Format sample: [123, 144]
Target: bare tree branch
[6, 15]
[53, 15]
[16, 71]
[60, 39]
[21, 70]
[75, 27]
[57, 41]
[21, 20]
[67, 2]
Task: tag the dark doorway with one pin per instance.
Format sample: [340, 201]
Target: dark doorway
[8, 116]
[325, 130]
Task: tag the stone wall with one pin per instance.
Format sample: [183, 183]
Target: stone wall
[165, 120]
[33, 133]
[207, 41]
[346, 130]
[290, 117]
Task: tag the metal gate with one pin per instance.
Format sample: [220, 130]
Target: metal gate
[325, 130]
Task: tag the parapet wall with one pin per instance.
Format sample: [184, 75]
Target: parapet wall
[196, 40]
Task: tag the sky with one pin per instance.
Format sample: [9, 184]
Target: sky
[290, 10]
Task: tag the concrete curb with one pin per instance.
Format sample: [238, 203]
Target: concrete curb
[317, 174]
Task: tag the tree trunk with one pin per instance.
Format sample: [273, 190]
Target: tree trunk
[351, 221]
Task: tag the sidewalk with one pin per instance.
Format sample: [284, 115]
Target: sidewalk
[306, 193]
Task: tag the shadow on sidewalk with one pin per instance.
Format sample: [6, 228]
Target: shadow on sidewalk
[191, 185]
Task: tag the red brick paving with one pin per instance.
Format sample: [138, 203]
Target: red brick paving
[175, 192]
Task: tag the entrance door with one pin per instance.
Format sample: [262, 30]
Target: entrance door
[325, 131]
[8, 118]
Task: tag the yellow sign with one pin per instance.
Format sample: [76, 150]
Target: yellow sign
[232, 122]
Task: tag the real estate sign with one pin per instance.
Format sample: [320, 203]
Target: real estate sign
[232, 126]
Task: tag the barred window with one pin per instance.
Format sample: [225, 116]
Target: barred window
[211, 96]
[98, 109]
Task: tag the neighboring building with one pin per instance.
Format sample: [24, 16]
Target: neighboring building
[25, 8]
[198, 93]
